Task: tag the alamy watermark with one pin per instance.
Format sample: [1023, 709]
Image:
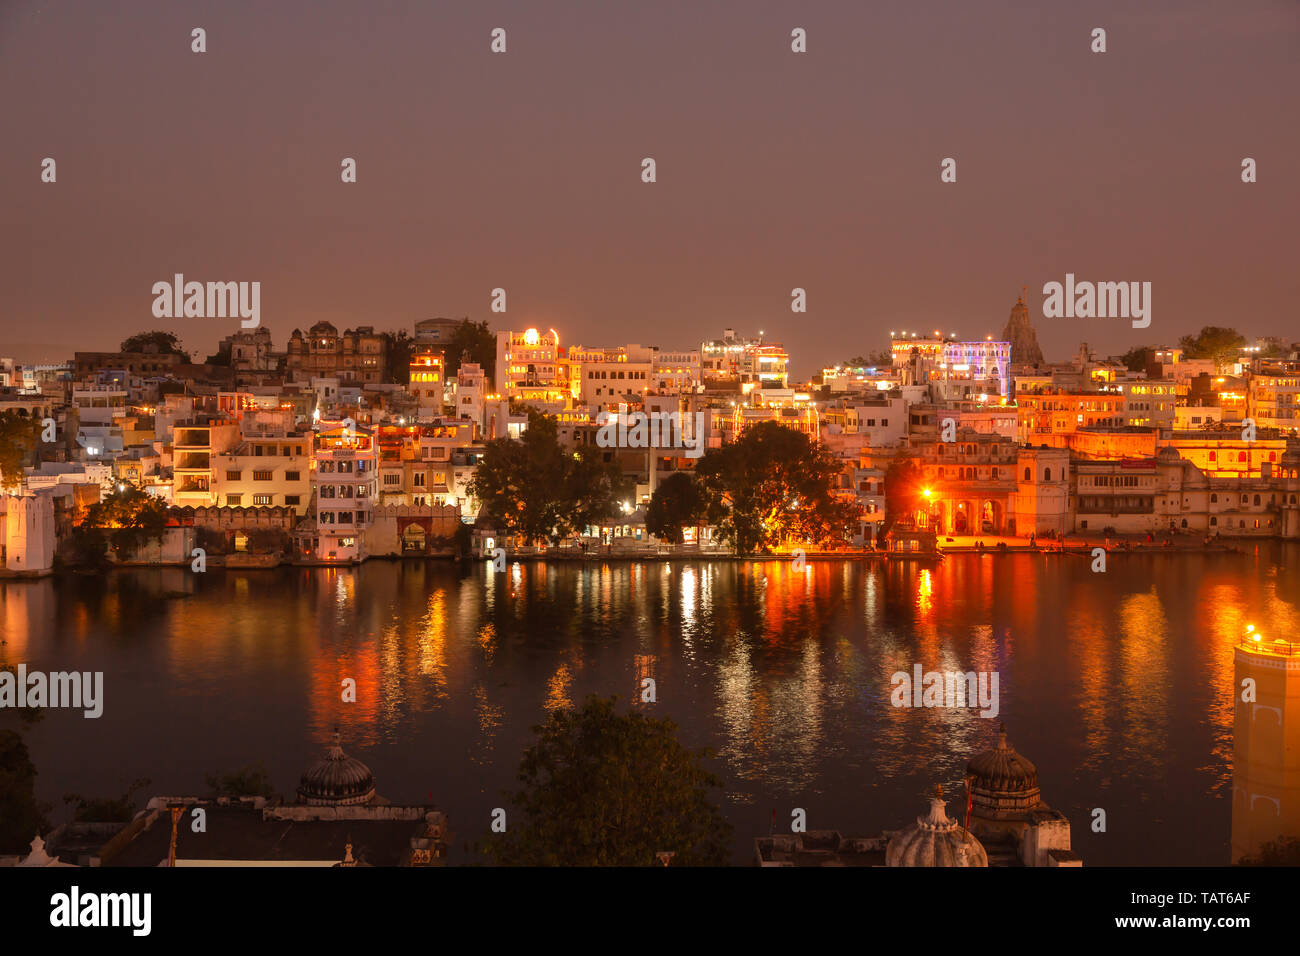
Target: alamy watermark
[1098, 300]
[946, 689]
[212, 300]
[73, 689]
[622, 429]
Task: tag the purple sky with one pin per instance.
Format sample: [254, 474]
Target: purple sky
[775, 169]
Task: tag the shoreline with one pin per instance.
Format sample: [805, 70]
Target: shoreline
[992, 547]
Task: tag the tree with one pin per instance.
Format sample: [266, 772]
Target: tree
[161, 342]
[533, 488]
[398, 345]
[1212, 342]
[772, 484]
[607, 789]
[19, 436]
[106, 809]
[125, 520]
[1284, 851]
[1136, 359]
[250, 781]
[22, 816]
[874, 360]
[904, 493]
[474, 341]
[676, 504]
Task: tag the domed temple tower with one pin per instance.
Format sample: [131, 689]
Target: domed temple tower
[337, 780]
[1007, 810]
[935, 840]
[1020, 333]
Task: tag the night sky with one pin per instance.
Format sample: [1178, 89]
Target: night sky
[522, 170]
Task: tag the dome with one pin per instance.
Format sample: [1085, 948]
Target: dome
[935, 840]
[1003, 783]
[1168, 453]
[337, 780]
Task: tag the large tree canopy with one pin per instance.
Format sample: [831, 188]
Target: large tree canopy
[125, 519]
[676, 504]
[163, 342]
[602, 788]
[904, 493]
[474, 342]
[19, 436]
[1212, 342]
[774, 484]
[533, 488]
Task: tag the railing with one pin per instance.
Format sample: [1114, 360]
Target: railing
[1258, 644]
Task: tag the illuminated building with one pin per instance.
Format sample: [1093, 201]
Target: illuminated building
[1266, 742]
[357, 356]
[752, 363]
[975, 367]
[1273, 398]
[427, 383]
[344, 493]
[533, 367]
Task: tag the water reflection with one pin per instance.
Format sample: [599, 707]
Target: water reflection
[1115, 685]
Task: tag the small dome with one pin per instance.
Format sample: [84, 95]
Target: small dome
[337, 780]
[1003, 783]
[935, 840]
[1168, 453]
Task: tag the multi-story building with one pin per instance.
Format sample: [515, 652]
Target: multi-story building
[194, 445]
[607, 376]
[427, 380]
[533, 367]
[344, 491]
[1150, 403]
[357, 356]
[1046, 416]
[265, 472]
[1273, 398]
[1266, 739]
[752, 363]
[973, 368]
[471, 395]
[675, 371]
[99, 404]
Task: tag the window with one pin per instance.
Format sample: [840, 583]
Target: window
[1214, 499]
[419, 479]
[392, 479]
[292, 499]
[1047, 474]
[293, 476]
[262, 500]
[233, 500]
[263, 475]
[234, 475]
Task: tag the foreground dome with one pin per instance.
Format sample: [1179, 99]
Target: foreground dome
[337, 780]
[935, 840]
[1003, 783]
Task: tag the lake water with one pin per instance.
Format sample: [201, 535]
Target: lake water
[1117, 685]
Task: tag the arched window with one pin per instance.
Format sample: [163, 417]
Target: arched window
[1257, 499]
[1241, 456]
[1026, 474]
[1214, 499]
[1047, 474]
[1214, 456]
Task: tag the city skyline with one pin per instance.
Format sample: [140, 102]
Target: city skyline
[776, 170]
